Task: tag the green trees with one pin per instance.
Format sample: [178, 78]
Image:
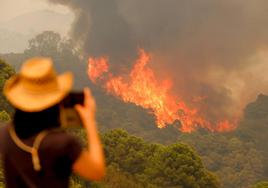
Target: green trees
[51, 44]
[4, 116]
[5, 72]
[134, 163]
[155, 165]
[116, 178]
[263, 184]
[237, 163]
[46, 43]
[254, 127]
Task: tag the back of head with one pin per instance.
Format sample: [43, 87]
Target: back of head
[28, 124]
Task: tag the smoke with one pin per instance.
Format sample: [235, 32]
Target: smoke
[213, 50]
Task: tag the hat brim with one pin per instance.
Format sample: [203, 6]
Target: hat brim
[34, 102]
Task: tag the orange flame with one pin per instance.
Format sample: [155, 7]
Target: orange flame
[96, 68]
[143, 89]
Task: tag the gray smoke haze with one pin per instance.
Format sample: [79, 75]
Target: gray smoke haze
[211, 49]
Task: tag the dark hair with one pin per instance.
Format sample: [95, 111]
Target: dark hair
[28, 124]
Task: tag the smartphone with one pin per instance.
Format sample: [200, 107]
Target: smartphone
[69, 117]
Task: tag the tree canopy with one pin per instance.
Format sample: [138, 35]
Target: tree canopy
[135, 163]
[176, 165]
[6, 71]
[45, 44]
[4, 116]
[263, 184]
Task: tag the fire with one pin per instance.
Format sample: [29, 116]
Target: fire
[96, 68]
[143, 89]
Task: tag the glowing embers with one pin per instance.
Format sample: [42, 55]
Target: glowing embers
[143, 89]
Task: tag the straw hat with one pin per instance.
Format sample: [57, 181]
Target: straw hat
[37, 86]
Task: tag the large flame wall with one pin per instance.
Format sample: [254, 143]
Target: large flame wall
[142, 88]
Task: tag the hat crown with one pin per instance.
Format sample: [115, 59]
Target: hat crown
[37, 75]
[38, 68]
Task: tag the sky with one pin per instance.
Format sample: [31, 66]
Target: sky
[13, 8]
[20, 20]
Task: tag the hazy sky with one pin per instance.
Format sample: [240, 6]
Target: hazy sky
[13, 8]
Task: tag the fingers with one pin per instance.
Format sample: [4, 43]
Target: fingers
[87, 94]
[79, 108]
[87, 111]
[89, 99]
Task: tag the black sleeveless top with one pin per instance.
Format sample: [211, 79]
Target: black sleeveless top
[57, 152]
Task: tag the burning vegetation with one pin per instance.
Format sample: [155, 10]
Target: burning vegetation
[142, 88]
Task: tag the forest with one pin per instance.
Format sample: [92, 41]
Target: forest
[138, 154]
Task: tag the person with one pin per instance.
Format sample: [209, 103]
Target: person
[35, 151]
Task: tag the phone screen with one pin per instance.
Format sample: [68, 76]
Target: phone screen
[69, 117]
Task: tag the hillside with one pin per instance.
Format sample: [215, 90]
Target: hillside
[238, 158]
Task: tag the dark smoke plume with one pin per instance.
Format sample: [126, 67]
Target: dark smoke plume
[214, 50]
[99, 28]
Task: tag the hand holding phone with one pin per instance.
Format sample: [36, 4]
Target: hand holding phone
[88, 109]
[69, 117]
[76, 108]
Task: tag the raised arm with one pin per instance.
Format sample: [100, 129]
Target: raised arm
[91, 163]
